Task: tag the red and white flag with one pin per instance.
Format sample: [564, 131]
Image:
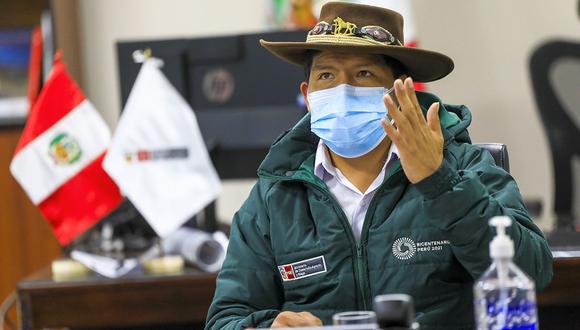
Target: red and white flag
[58, 158]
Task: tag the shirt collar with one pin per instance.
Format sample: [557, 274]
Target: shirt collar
[323, 164]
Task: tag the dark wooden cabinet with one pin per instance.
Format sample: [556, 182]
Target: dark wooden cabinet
[559, 304]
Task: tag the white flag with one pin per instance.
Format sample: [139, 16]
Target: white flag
[158, 157]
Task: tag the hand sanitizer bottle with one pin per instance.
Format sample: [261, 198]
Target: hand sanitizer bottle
[505, 296]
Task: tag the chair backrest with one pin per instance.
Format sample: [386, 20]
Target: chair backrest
[499, 153]
[555, 73]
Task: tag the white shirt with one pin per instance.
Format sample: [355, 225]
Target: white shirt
[353, 202]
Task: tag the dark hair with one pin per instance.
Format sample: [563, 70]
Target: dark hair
[397, 67]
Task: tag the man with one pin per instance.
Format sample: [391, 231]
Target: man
[350, 204]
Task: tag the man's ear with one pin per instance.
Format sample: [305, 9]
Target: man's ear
[304, 91]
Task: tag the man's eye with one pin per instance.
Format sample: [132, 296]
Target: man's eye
[364, 73]
[326, 75]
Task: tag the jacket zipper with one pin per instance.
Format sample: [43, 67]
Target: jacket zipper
[355, 246]
[364, 233]
[361, 276]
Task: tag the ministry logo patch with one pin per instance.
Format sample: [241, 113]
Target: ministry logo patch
[144, 155]
[405, 248]
[302, 269]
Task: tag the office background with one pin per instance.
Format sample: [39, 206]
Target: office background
[490, 41]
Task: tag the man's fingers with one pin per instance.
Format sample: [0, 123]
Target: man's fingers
[413, 97]
[433, 118]
[400, 120]
[404, 102]
[390, 129]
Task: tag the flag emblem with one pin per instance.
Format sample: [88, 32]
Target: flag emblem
[64, 149]
[160, 154]
[286, 272]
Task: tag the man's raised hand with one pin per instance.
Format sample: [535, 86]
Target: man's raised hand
[419, 140]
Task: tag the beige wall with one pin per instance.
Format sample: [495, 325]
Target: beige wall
[104, 22]
[490, 41]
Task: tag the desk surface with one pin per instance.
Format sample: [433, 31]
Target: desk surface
[564, 290]
[140, 300]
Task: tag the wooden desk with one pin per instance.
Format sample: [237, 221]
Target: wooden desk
[133, 301]
[559, 304]
[183, 300]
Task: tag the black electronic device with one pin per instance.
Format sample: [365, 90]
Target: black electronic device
[395, 312]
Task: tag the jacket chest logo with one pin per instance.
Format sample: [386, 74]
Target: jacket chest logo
[302, 269]
[405, 248]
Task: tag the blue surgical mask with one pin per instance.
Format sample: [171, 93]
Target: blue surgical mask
[348, 118]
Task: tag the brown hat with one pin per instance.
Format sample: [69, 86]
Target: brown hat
[347, 27]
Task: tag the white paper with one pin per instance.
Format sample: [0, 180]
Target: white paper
[105, 266]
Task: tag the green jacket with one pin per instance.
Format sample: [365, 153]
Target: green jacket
[429, 240]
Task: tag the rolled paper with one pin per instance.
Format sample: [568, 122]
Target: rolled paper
[199, 248]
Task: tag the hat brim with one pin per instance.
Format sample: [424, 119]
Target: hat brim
[421, 64]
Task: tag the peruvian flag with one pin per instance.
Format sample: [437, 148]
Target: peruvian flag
[58, 158]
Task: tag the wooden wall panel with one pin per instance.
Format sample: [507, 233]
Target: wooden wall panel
[21, 13]
[66, 33]
[26, 240]
[27, 243]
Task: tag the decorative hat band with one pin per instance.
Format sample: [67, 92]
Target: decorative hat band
[348, 33]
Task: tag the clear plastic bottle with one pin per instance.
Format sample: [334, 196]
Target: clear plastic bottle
[505, 297]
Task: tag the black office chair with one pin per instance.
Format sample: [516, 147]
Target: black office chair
[499, 153]
[555, 73]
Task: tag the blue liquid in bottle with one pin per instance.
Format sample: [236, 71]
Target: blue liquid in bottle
[505, 297]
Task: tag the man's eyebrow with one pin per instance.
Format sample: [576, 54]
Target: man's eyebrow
[366, 65]
[322, 67]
